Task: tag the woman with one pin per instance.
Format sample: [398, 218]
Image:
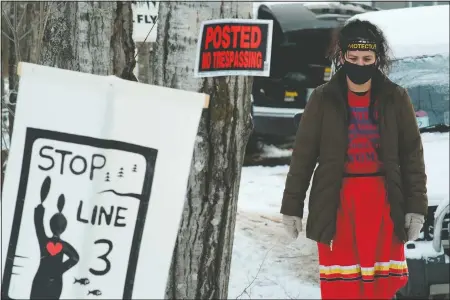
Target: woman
[368, 195]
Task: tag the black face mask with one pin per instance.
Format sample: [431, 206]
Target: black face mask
[359, 74]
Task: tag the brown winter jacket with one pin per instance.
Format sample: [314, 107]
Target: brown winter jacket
[322, 139]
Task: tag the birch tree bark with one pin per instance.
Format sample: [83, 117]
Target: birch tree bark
[92, 37]
[202, 256]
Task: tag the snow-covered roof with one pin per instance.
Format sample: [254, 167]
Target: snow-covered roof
[413, 31]
[334, 8]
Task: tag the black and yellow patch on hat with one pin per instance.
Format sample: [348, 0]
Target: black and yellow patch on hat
[361, 45]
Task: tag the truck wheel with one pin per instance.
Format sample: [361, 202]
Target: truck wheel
[417, 286]
[252, 144]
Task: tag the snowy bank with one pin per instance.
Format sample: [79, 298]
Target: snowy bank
[266, 263]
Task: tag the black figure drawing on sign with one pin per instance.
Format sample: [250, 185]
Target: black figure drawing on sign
[48, 281]
[135, 168]
[107, 177]
[82, 281]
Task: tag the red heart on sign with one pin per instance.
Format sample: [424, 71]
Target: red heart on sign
[54, 248]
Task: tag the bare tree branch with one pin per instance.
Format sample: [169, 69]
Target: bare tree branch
[8, 22]
[5, 143]
[9, 38]
[11, 112]
[278, 283]
[15, 18]
[23, 15]
[257, 273]
[25, 34]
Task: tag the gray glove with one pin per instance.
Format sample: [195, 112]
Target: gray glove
[293, 225]
[414, 223]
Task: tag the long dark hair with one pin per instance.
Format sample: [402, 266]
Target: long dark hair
[360, 29]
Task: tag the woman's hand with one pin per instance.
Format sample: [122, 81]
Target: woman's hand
[414, 223]
[293, 225]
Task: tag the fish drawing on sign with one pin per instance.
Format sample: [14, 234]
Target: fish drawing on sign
[95, 292]
[48, 281]
[82, 281]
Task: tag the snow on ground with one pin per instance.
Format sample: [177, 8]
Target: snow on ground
[270, 151]
[266, 263]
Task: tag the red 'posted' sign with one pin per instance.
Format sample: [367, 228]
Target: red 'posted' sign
[230, 47]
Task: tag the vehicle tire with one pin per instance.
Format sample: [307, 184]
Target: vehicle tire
[251, 145]
[417, 286]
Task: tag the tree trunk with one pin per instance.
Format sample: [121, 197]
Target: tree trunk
[144, 63]
[202, 256]
[91, 37]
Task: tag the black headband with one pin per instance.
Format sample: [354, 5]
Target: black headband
[360, 44]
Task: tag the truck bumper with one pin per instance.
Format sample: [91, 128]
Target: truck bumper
[427, 276]
[429, 261]
[274, 121]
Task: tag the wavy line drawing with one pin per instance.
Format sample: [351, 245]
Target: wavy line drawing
[137, 196]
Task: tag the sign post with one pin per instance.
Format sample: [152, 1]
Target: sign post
[95, 185]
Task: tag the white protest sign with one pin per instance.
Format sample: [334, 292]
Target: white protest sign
[95, 185]
[145, 15]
